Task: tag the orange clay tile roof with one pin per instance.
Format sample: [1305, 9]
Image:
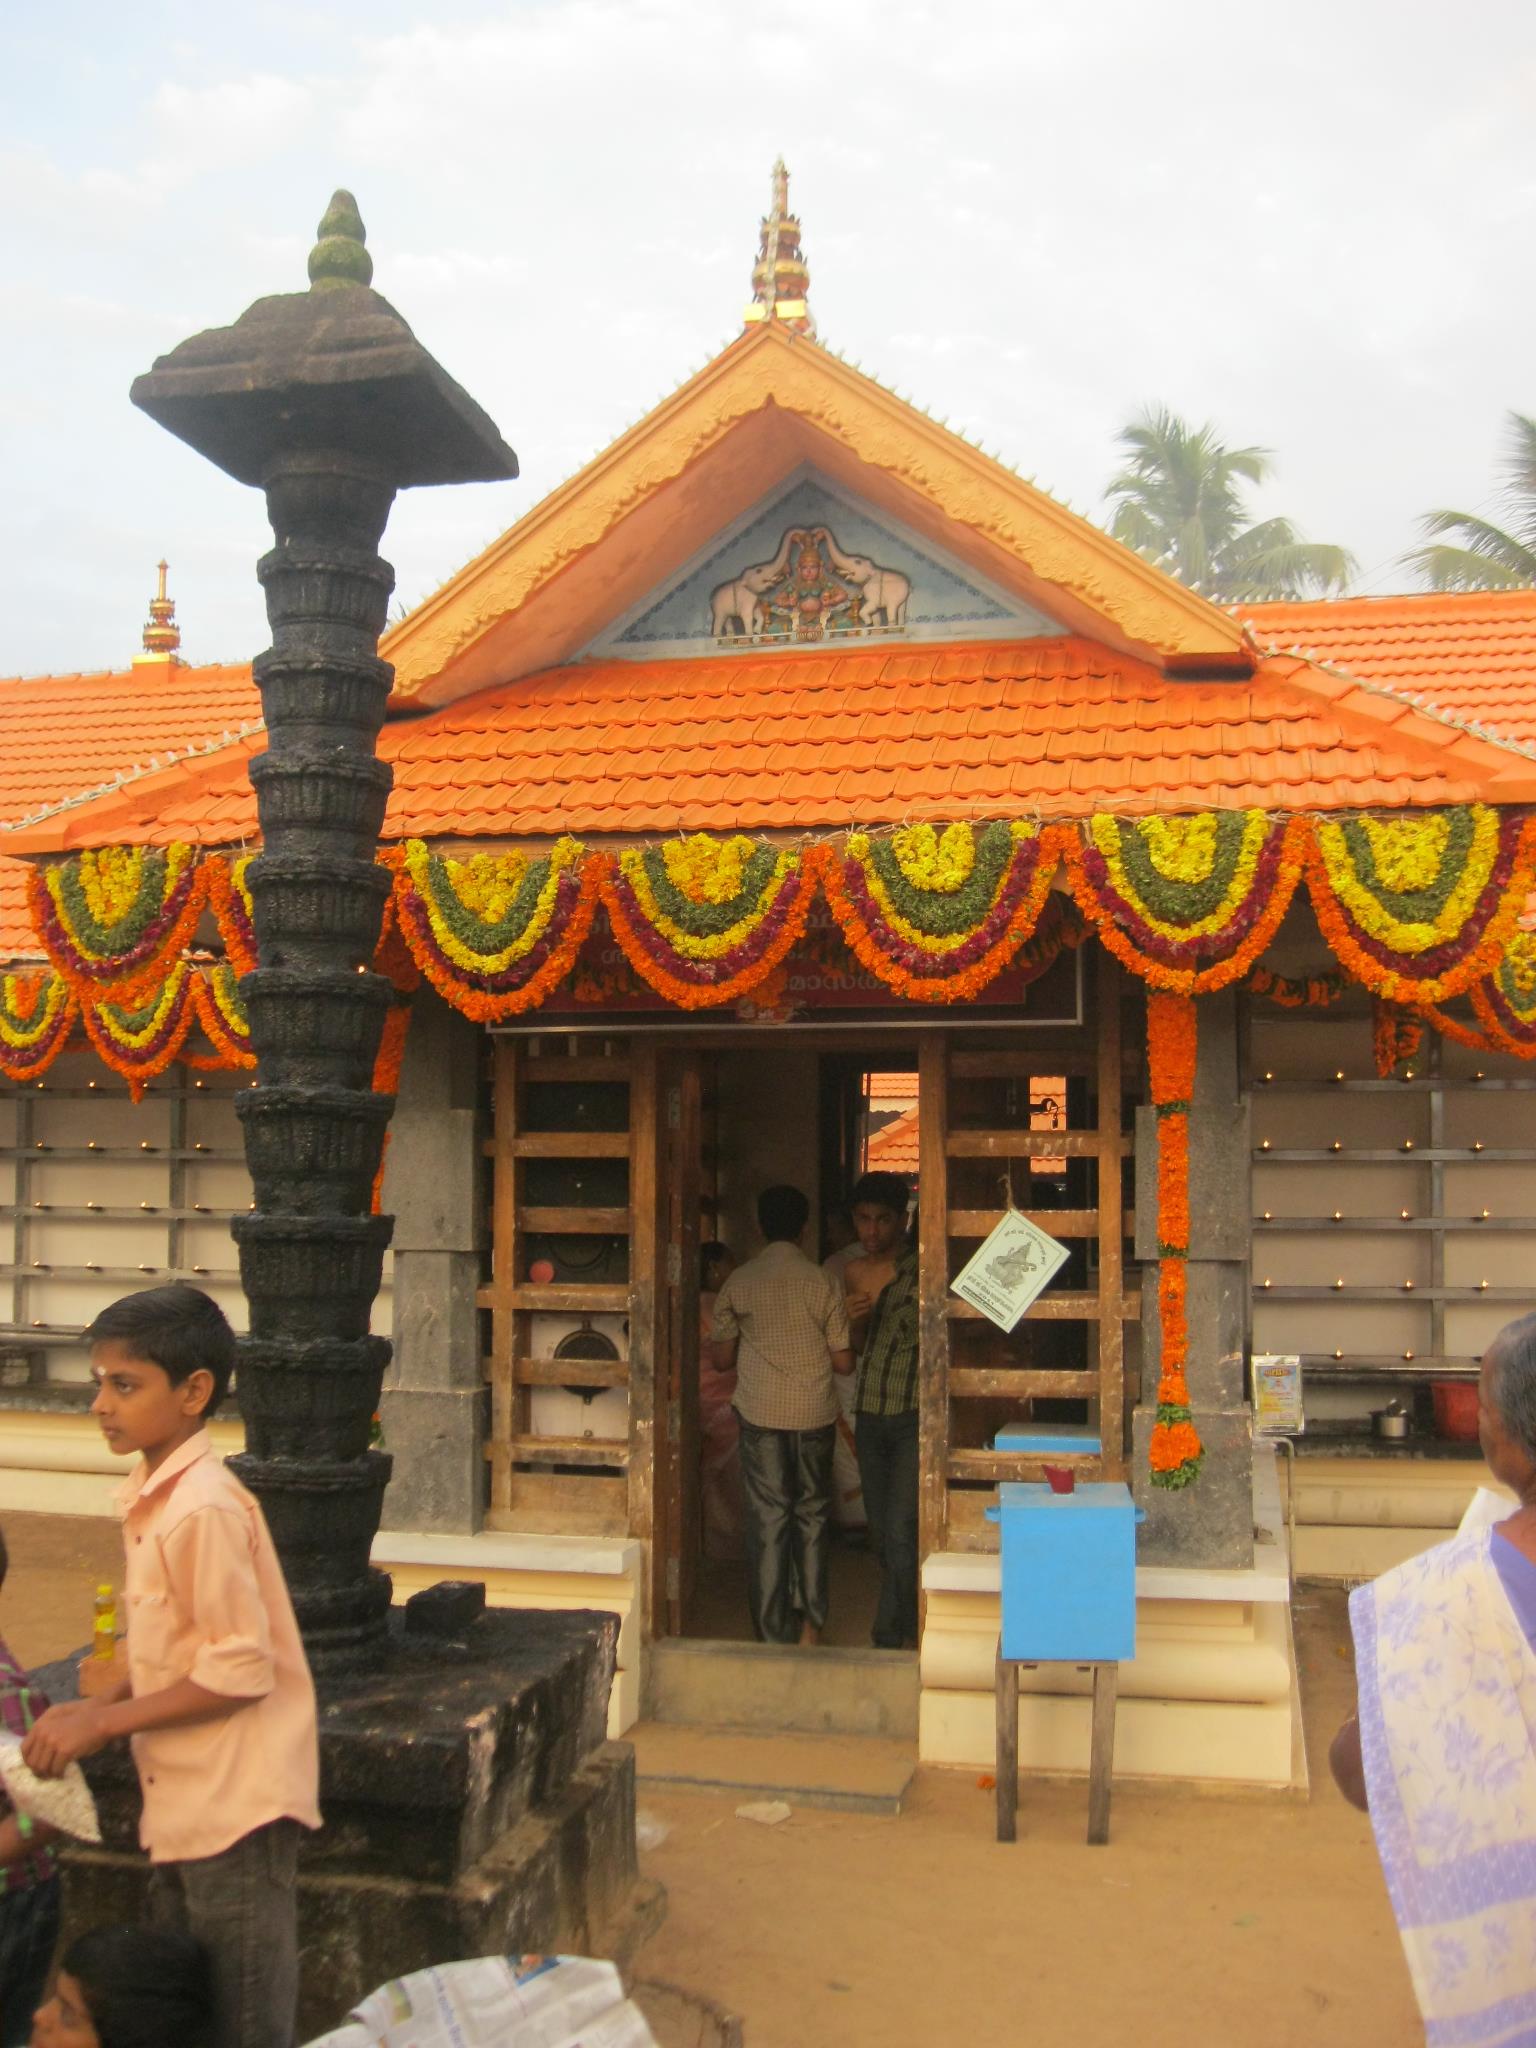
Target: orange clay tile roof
[885, 1087]
[1469, 653]
[812, 740]
[61, 735]
[893, 1148]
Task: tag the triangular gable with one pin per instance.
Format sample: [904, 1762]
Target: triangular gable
[764, 408]
[812, 565]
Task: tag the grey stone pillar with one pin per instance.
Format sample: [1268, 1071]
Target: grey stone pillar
[1210, 1523]
[435, 1405]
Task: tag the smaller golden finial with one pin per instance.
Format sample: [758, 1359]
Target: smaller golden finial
[162, 635]
[781, 280]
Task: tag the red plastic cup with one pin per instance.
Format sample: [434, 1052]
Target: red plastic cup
[1062, 1478]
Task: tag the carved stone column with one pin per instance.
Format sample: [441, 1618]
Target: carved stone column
[327, 403]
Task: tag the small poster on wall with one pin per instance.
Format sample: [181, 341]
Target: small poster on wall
[1277, 1409]
[1011, 1270]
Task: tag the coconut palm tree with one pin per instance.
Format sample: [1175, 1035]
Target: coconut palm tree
[1180, 501]
[1490, 557]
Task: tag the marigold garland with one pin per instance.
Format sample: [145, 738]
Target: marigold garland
[1417, 909]
[1298, 992]
[1505, 999]
[1190, 903]
[113, 921]
[1396, 1034]
[938, 914]
[1175, 1453]
[221, 1013]
[229, 898]
[141, 1041]
[706, 921]
[37, 1014]
[495, 934]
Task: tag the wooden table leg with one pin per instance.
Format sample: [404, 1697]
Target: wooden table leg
[1101, 1764]
[1007, 1749]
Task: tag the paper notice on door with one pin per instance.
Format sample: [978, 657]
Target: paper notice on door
[1012, 1269]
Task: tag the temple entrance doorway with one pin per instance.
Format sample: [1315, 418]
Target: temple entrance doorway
[741, 1119]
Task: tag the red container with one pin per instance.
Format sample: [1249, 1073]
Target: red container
[1062, 1478]
[1455, 1409]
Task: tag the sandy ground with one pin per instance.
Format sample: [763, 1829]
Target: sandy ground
[1251, 1920]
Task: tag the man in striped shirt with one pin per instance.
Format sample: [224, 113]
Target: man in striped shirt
[780, 1324]
[882, 1310]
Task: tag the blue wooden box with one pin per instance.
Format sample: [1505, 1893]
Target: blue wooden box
[1068, 1573]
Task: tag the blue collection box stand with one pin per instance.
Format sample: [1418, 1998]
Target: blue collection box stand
[1068, 1571]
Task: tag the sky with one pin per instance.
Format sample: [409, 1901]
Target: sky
[1313, 226]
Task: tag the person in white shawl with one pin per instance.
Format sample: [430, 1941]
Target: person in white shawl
[1442, 1750]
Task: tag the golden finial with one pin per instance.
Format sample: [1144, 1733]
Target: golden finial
[162, 635]
[781, 280]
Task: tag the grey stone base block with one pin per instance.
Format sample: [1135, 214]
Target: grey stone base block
[435, 1436]
[1209, 1525]
[471, 1804]
[564, 1879]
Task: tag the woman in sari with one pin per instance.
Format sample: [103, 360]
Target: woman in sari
[1442, 1750]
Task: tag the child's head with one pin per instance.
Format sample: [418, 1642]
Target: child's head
[162, 1360]
[128, 1987]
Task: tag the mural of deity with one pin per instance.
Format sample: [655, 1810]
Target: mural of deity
[809, 590]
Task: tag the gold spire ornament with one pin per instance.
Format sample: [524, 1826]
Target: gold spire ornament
[781, 281]
[162, 635]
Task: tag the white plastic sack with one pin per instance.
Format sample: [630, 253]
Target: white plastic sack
[64, 1803]
[498, 2002]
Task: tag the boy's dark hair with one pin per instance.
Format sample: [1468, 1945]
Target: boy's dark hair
[881, 1191]
[178, 1328]
[141, 1987]
[782, 1213]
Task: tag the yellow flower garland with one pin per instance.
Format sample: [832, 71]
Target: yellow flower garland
[566, 853]
[1411, 844]
[696, 945]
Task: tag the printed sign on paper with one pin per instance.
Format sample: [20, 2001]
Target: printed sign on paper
[1277, 1409]
[1011, 1270]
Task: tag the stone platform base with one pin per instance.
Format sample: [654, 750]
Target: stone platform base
[472, 1807]
[561, 1880]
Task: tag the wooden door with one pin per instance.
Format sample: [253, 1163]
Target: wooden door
[978, 1108]
[573, 1150]
[679, 1525]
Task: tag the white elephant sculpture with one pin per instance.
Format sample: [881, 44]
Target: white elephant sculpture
[880, 590]
[739, 599]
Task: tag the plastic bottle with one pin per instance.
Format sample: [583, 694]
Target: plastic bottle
[104, 1629]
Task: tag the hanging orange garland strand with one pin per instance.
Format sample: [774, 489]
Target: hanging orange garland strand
[1176, 1452]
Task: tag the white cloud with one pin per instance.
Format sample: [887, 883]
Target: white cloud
[1036, 218]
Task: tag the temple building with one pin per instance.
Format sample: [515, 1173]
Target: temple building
[797, 789]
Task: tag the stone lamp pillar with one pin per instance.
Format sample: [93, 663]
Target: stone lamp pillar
[325, 401]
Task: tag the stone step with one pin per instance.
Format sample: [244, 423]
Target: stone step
[769, 1687]
[846, 1773]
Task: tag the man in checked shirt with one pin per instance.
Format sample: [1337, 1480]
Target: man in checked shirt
[781, 1325]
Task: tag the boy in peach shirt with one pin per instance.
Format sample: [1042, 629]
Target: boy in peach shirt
[217, 1699]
